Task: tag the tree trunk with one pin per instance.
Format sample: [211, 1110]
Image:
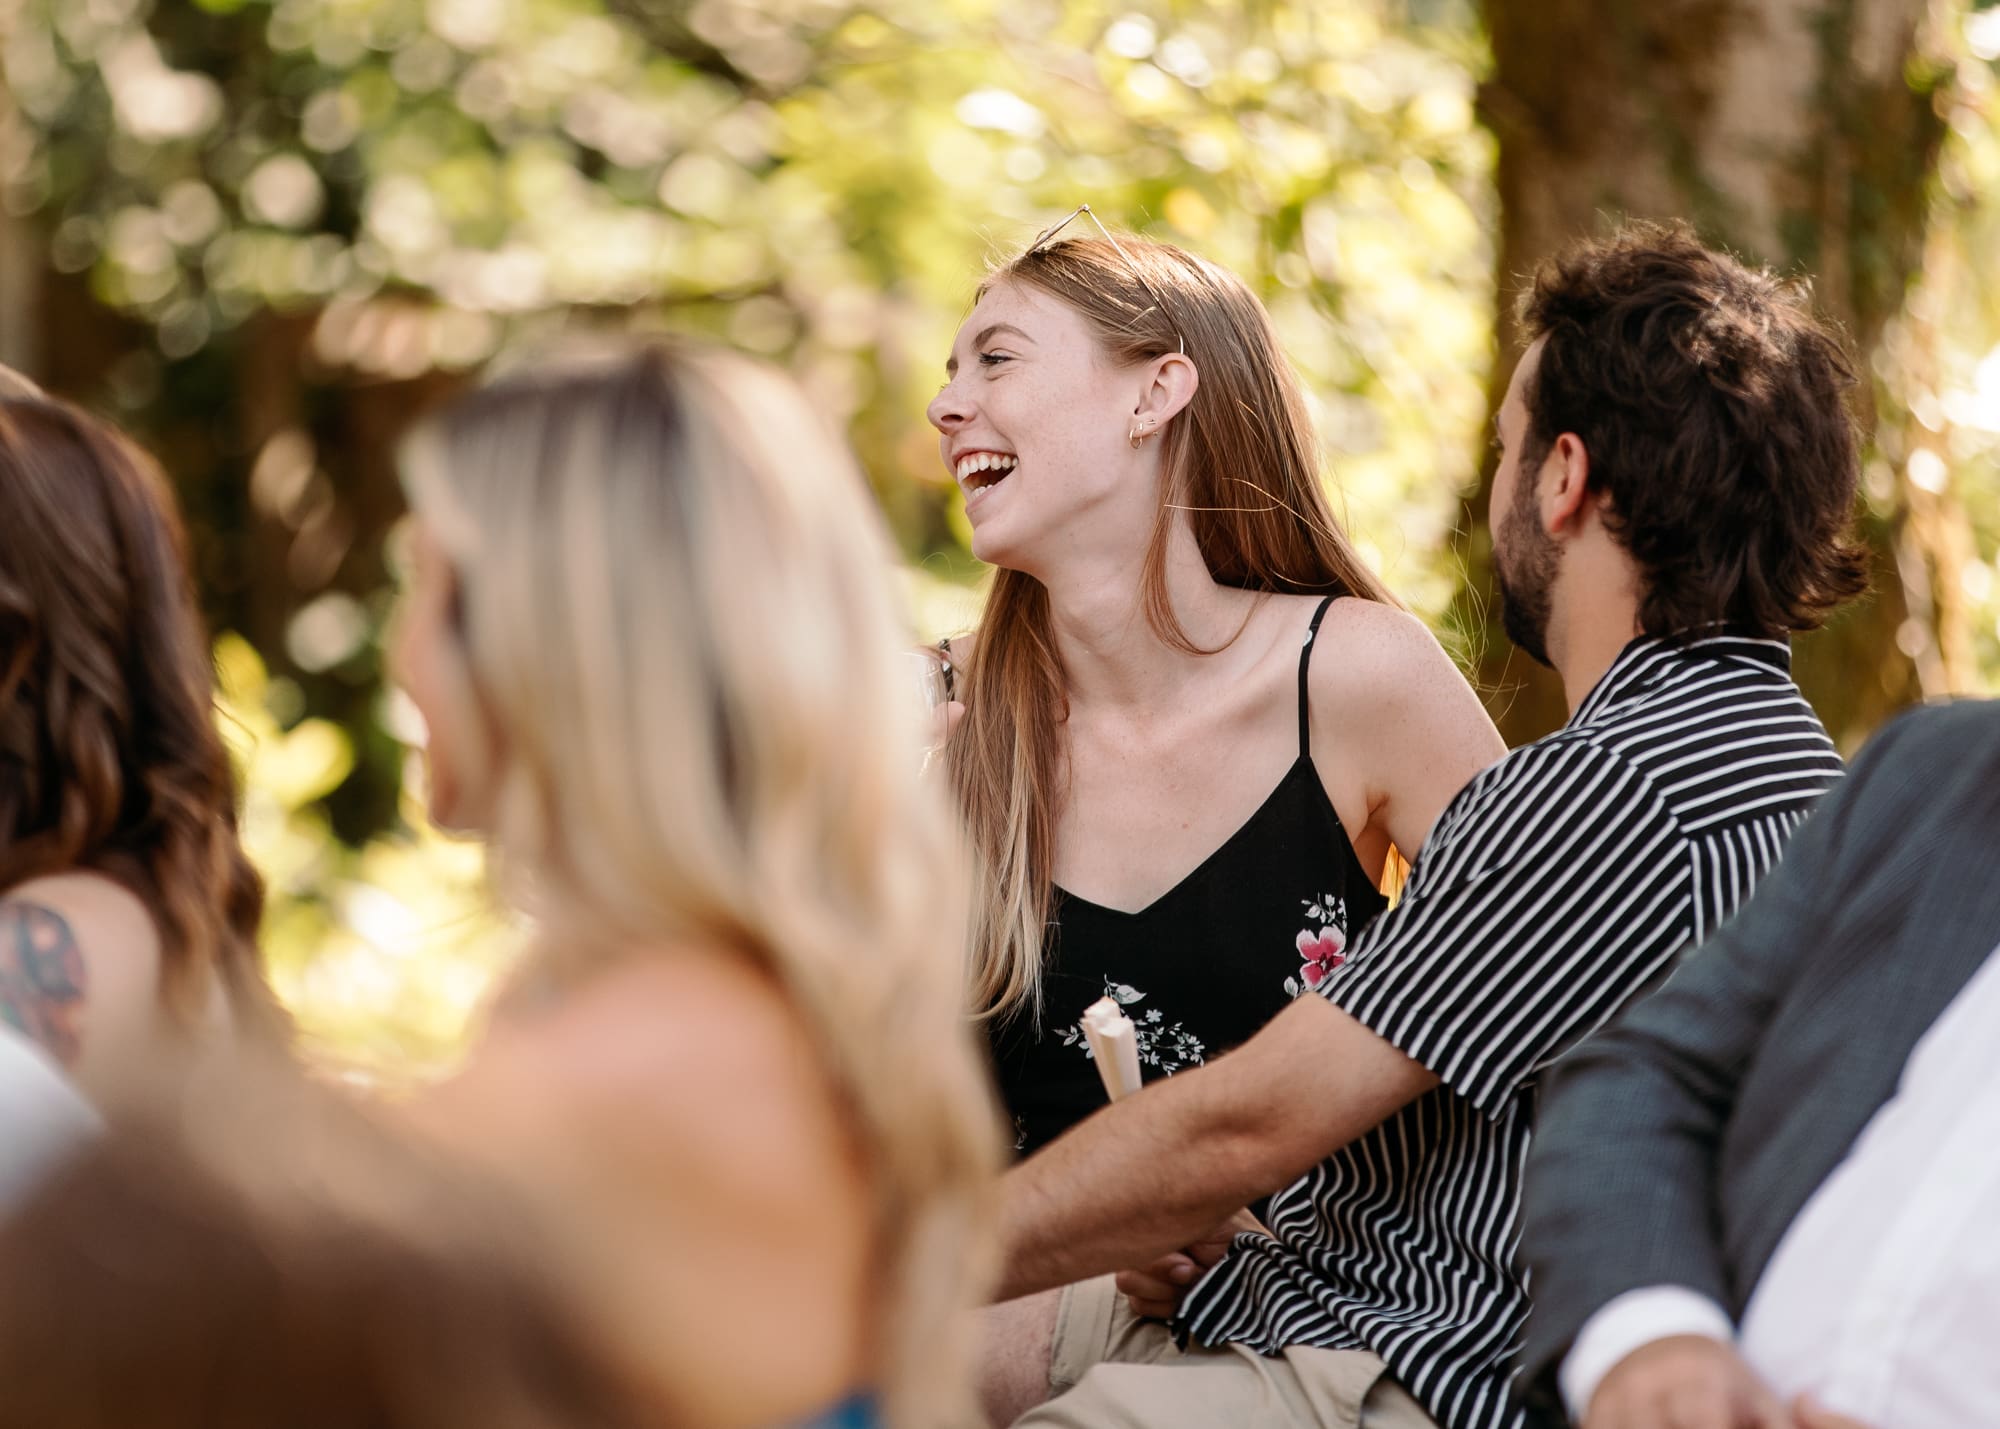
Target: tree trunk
[1799, 133]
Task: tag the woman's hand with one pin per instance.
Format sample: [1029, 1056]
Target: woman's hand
[1154, 1291]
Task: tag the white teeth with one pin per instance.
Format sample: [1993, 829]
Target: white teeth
[984, 461]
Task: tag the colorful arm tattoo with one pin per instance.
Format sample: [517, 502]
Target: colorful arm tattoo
[41, 977]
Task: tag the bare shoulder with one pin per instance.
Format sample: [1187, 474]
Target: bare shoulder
[90, 902]
[1393, 717]
[706, 1014]
[79, 966]
[1381, 657]
[674, 1062]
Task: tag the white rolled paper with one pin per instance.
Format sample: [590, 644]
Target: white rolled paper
[1114, 1043]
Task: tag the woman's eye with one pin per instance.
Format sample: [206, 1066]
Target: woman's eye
[993, 359]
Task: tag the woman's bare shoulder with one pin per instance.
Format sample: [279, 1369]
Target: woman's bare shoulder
[1396, 713]
[87, 898]
[706, 1010]
[1383, 682]
[1382, 654]
[79, 968]
[699, 1058]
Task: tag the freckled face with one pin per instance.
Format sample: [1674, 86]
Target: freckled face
[1032, 422]
[426, 659]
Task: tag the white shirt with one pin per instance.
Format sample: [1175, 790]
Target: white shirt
[1883, 1297]
[42, 1117]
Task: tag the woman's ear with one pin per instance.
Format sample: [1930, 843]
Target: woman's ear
[1170, 384]
[432, 661]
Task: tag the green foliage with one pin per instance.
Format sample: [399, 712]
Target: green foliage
[307, 215]
[303, 205]
[1966, 301]
[383, 952]
[822, 182]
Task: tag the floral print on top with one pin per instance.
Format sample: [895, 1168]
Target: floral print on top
[1170, 1048]
[1322, 944]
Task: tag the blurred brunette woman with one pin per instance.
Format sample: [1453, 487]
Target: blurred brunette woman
[128, 911]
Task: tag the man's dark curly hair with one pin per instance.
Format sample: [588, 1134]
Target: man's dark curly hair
[1712, 404]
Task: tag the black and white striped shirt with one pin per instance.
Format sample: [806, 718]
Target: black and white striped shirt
[1557, 886]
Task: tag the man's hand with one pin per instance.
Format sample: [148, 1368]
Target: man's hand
[1684, 1382]
[1155, 1291]
[1809, 1413]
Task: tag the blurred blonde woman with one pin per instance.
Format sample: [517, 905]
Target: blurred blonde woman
[654, 634]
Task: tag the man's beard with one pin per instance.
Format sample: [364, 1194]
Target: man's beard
[1525, 558]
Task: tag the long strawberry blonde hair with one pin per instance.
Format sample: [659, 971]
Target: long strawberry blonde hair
[1241, 466]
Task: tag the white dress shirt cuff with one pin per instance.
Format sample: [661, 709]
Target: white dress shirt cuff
[1624, 1324]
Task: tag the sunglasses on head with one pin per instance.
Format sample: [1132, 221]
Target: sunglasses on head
[1049, 233]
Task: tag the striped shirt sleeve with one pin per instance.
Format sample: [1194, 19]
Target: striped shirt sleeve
[1555, 884]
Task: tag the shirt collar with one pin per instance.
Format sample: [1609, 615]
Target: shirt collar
[1640, 664]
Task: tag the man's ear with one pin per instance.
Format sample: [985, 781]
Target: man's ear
[1566, 498]
[1169, 385]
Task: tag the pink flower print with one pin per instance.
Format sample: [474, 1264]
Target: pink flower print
[1322, 950]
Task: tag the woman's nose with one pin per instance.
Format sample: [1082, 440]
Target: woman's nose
[947, 411]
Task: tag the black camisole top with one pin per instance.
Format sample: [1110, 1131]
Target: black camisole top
[1262, 920]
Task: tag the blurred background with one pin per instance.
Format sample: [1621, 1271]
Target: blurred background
[263, 234]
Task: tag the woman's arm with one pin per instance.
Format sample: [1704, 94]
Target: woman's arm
[1393, 717]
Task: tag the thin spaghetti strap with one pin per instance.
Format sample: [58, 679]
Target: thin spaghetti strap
[1305, 662]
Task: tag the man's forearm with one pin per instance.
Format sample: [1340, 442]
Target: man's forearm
[1135, 1181]
[1159, 1169]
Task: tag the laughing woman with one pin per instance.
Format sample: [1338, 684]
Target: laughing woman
[1196, 725]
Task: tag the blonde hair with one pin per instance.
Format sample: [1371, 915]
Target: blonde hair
[1240, 461]
[678, 613]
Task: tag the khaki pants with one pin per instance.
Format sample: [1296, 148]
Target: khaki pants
[1108, 1369]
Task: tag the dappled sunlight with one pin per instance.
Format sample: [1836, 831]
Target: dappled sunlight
[383, 953]
[276, 231]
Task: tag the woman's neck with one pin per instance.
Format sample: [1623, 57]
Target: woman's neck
[1110, 651]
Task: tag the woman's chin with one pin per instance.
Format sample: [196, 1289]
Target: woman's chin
[991, 544]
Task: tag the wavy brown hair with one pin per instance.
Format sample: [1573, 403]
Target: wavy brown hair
[1243, 465]
[110, 759]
